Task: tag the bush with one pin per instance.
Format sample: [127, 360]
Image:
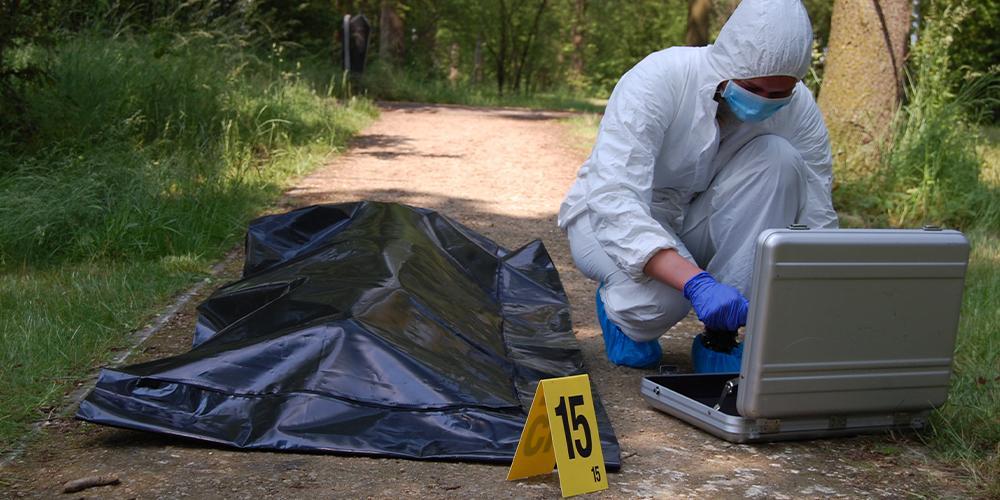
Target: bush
[930, 173]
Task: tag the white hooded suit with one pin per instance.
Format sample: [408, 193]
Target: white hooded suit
[666, 173]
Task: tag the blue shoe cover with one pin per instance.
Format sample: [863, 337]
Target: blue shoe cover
[706, 360]
[621, 349]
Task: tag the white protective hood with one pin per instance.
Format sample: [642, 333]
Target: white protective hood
[659, 143]
[764, 38]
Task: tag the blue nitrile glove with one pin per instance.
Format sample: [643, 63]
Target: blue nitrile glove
[719, 306]
[705, 360]
[622, 350]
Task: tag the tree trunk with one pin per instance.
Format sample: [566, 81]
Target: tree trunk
[699, 17]
[861, 88]
[453, 64]
[577, 36]
[477, 61]
[526, 50]
[501, 52]
[390, 47]
[8, 31]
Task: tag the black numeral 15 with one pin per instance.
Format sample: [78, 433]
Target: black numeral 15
[578, 421]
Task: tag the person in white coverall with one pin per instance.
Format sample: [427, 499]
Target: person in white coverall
[699, 150]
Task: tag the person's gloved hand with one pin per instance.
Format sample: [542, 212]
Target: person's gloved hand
[719, 306]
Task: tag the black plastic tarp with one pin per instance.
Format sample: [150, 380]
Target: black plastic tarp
[368, 328]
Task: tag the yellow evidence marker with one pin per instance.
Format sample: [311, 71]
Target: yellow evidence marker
[561, 429]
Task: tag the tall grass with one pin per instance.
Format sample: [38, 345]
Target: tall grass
[149, 154]
[132, 141]
[59, 324]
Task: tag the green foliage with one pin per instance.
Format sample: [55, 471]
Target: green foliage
[974, 50]
[931, 170]
[133, 137]
[820, 13]
[519, 41]
[528, 57]
[527, 46]
[623, 33]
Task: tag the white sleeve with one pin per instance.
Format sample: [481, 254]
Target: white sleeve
[620, 176]
[809, 136]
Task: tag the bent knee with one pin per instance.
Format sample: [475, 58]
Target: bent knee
[771, 158]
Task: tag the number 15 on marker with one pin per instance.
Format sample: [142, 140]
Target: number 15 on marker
[579, 423]
[561, 431]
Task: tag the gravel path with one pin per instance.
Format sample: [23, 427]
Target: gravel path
[502, 172]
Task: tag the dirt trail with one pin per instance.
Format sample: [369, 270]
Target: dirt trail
[503, 173]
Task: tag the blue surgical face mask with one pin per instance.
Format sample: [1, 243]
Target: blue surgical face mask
[750, 107]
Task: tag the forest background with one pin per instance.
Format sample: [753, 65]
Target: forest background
[137, 138]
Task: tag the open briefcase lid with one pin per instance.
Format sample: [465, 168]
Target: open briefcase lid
[851, 321]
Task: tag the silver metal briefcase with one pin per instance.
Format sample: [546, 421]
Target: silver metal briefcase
[850, 331]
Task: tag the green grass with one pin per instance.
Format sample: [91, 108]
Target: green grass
[391, 84]
[967, 428]
[147, 158]
[59, 324]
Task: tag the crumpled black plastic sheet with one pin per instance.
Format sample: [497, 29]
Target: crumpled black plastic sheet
[369, 328]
